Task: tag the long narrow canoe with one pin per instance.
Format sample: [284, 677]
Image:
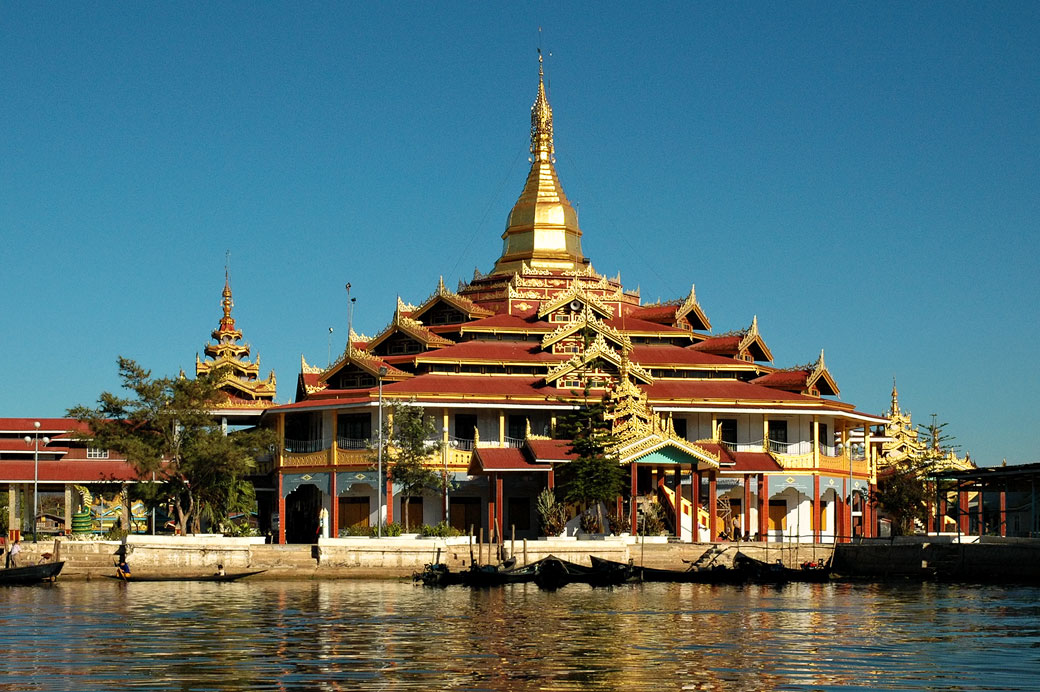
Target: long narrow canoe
[230, 576]
[31, 574]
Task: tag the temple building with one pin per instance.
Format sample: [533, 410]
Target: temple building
[705, 425]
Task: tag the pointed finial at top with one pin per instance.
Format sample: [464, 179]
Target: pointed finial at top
[226, 302]
[541, 120]
[895, 397]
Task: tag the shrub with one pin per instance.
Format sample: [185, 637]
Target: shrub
[392, 529]
[356, 530]
[441, 530]
[651, 522]
[589, 522]
[553, 515]
[617, 523]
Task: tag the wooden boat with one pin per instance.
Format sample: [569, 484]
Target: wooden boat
[761, 572]
[31, 574]
[717, 574]
[811, 572]
[230, 576]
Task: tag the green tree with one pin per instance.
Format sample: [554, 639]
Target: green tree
[167, 433]
[903, 492]
[594, 477]
[408, 451]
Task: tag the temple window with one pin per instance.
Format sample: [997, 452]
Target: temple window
[97, 453]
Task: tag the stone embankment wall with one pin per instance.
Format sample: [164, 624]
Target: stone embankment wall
[375, 558]
[942, 557]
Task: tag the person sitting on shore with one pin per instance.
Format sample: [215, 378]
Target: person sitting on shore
[123, 569]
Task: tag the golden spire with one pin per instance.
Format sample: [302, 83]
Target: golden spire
[227, 322]
[541, 121]
[542, 230]
[895, 398]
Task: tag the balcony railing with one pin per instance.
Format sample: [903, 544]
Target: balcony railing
[829, 450]
[792, 448]
[353, 443]
[305, 446]
[515, 441]
[755, 446]
[461, 443]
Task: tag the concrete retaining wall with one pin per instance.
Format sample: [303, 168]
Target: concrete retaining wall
[945, 558]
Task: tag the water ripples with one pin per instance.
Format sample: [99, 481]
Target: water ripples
[339, 635]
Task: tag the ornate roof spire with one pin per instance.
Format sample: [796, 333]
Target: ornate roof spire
[895, 398]
[542, 230]
[541, 121]
[227, 322]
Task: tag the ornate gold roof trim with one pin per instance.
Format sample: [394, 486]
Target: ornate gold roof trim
[597, 349]
[575, 292]
[463, 304]
[568, 328]
[819, 372]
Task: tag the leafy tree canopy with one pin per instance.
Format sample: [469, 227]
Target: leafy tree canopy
[167, 433]
[594, 476]
[410, 438]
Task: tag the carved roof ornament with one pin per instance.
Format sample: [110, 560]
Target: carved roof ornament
[241, 380]
[820, 375]
[411, 327]
[637, 428]
[464, 305]
[576, 292]
[589, 322]
[599, 349]
[542, 232]
[691, 308]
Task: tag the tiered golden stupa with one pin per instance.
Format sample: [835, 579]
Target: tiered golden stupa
[246, 394]
[900, 441]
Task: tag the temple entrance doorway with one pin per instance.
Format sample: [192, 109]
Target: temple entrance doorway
[301, 515]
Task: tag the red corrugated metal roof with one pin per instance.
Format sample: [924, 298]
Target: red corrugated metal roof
[67, 471]
[677, 355]
[520, 351]
[551, 450]
[504, 459]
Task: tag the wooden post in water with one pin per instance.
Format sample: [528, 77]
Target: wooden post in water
[512, 540]
[525, 551]
[480, 547]
[471, 544]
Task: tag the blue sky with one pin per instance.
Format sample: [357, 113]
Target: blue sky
[863, 177]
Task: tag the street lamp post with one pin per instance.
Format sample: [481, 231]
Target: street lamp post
[34, 439]
[379, 458]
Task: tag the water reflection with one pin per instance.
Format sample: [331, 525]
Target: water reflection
[347, 635]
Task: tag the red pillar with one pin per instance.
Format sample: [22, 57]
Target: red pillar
[816, 513]
[678, 501]
[982, 529]
[389, 497]
[334, 526]
[942, 513]
[281, 512]
[634, 495]
[695, 502]
[763, 506]
[713, 506]
[552, 478]
[492, 482]
[930, 510]
[963, 511]
[871, 509]
[499, 514]
[745, 506]
[1003, 511]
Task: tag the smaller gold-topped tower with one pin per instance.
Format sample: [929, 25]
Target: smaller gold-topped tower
[241, 378]
[542, 229]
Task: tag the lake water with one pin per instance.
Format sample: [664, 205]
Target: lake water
[387, 635]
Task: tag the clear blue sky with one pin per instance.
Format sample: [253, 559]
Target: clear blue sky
[864, 177]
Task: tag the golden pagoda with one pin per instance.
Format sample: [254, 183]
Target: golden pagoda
[240, 380]
[705, 424]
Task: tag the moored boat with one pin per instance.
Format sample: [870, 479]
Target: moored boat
[31, 574]
[229, 576]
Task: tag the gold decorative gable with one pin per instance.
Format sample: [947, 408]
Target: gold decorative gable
[820, 373]
[752, 339]
[464, 305]
[576, 292]
[598, 349]
[638, 430]
[589, 322]
[410, 327]
[691, 308]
